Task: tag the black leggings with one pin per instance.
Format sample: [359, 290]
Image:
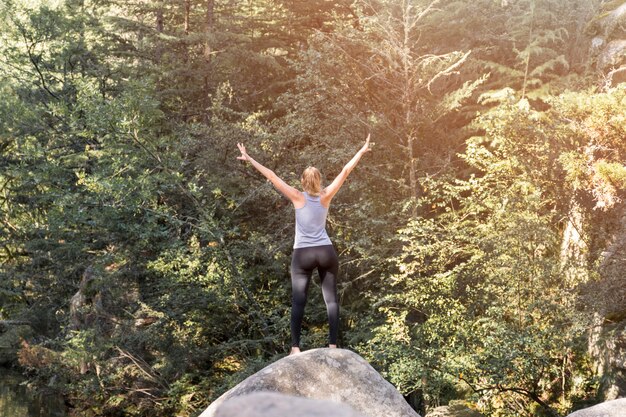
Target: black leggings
[303, 262]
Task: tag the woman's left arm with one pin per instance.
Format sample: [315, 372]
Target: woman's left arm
[330, 191]
[287, 190]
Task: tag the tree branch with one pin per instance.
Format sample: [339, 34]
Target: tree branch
[34, 62]
[448, 70]
[518, 390]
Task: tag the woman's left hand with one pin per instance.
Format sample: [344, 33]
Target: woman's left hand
[244, 155]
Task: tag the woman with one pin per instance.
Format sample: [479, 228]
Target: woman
[312, 246]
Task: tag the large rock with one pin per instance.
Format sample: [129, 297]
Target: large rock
[614, 408]
[327, 374]
[270, 404]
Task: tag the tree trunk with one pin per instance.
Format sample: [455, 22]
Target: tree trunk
[187, 12]
[208, 52]
[413, 182]
[185, 43]
[574, 250]
[530, 40]
[408, 20]
[209, 27]
[160, 26]
[159, 19]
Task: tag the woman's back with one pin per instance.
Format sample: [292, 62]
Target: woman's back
[311, 223]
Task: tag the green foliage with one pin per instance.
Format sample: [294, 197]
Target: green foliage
[154, 265]
[526, 45]
[480, 287]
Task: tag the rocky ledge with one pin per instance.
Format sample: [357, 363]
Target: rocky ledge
[333, 377]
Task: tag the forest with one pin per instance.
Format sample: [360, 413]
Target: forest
[144, 270]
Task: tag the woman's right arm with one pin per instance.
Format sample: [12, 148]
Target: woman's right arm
[295, 196]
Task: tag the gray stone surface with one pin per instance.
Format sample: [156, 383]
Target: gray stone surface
[614, 408]
[271, 404]
[336, 375]
[613, 20]
[613, 54]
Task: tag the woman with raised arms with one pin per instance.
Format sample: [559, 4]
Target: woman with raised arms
[312, 247]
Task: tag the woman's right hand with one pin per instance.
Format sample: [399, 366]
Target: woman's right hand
[244, 155]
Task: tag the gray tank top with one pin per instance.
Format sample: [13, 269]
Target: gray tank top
[311, 224]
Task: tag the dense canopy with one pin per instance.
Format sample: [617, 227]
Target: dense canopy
[481, 241]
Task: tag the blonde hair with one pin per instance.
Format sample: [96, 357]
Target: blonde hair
[312, 181]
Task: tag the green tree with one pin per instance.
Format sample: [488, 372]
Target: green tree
[533, 46]
[111, 240]
[481, 290]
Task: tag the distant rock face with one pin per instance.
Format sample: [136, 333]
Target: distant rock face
[615, 408]
[614, 20]
[609, 46]
[607, 345]
[612, 55]
[336, 375]
[607, 337]
[268, 404]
